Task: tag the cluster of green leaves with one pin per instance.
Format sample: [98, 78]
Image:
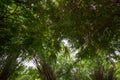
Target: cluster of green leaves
[67, 39]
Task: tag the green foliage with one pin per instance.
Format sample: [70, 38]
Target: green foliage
[66, 39]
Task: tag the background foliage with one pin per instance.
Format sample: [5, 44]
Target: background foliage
[65, 39]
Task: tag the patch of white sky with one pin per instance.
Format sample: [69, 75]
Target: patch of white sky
[26, 63]
[117, 52]
[68, 44]
[29, 64]
[73, 50]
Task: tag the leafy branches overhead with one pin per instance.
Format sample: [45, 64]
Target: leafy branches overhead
[65, 39]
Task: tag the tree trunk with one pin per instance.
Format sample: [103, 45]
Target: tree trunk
[9, 67]
[45, 70]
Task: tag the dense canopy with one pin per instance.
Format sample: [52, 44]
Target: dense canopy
[62, 39]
